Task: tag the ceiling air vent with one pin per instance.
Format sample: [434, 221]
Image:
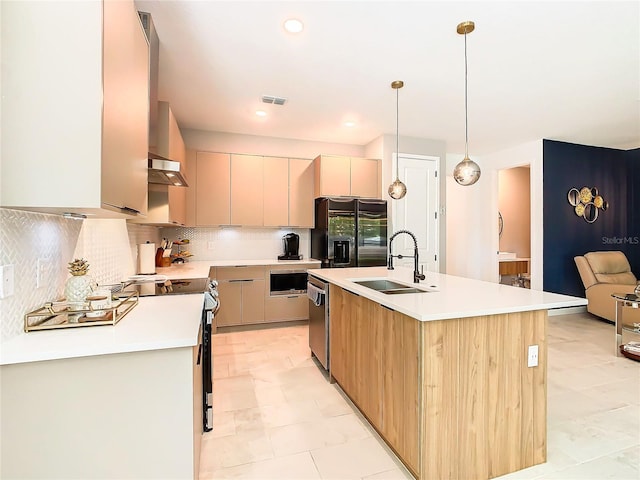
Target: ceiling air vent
[273, 100]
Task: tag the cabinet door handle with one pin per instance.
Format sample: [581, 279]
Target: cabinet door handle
[130, 210]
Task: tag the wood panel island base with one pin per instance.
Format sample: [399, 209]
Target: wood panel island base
[453, 397]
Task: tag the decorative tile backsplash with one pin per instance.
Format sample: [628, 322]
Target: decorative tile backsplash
[108, 245]
[237, 243]
[24, 238]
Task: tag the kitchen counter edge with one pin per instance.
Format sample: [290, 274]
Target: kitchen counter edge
[155, 323]
[449, 296]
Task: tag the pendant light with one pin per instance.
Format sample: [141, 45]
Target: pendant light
[467, 172]
[397, 189]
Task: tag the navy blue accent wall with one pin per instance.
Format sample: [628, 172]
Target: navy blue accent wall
[616, 174]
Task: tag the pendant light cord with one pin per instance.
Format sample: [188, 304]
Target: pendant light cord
[466, 120]
[397, 135]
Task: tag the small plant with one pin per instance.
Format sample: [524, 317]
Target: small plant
[78, 267]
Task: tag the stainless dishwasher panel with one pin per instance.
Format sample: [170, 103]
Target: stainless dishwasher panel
[319, 319]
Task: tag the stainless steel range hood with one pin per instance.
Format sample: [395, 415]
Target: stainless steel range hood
[165, 171]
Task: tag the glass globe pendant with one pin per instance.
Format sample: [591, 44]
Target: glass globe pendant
[467, 172]
[397, 189]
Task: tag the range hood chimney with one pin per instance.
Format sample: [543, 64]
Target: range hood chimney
[162, 170]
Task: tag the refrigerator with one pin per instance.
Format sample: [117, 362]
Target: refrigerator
[350, 232]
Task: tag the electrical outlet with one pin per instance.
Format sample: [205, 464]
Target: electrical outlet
[6, 281]
[211, 245]
[532, 359]
[43, 266]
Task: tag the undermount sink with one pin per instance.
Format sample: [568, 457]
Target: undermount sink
[389, 287]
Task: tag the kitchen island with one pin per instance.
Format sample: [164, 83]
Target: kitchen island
[120, 401]
[443, 374]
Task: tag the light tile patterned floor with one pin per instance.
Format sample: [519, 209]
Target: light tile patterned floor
[277, 417]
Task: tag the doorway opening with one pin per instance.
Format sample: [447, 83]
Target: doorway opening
[514, 224]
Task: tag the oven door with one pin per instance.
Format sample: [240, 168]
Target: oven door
[207, 371]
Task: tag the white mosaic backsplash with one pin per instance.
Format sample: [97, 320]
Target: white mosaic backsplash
[24, 238]
[108, 245]
[237, 243]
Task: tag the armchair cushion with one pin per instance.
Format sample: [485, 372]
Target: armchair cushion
[611, 267]
[605, 273]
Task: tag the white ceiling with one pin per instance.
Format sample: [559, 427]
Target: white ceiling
[567, 71]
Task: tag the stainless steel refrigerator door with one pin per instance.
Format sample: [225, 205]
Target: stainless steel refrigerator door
[372, 233]
[341, 228]
[319, 325]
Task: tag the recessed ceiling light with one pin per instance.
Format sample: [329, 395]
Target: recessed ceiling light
[349, 124]
[293, 25]
[261, 113]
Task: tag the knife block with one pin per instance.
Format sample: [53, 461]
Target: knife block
[162, 261]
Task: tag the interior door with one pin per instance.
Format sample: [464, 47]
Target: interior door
[418, 211]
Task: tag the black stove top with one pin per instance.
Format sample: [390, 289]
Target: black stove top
[169, 287]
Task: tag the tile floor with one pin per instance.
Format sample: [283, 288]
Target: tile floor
[277, 417]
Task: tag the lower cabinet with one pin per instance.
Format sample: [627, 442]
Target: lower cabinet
[375, 359]
[242, 295]
[125, 415]
[286, 307]
[245, 295]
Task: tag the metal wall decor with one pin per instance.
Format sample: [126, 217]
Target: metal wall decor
[587, 202]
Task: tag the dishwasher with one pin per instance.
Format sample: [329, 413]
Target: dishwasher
[318, 293]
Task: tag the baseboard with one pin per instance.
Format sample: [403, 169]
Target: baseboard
[567, 311]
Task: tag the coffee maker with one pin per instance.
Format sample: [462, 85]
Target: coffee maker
[291, 244]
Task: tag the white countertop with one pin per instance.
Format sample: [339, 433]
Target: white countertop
[200, 268]
[449, 296]
[170, 321]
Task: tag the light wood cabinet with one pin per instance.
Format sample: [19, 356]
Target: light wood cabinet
[213, 189]
[436, 391]
[301, 178]
[276, 191]
[347, 176]
[365, 178]
[75, 108]
[242, 292]
[247, 190]
[332, 176]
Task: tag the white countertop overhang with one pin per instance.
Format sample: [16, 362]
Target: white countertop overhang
[170, 321]
[449, 296]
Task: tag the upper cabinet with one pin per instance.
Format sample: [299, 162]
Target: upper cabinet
[75, 86]
[347, 176]
[301, 205]
[247, 190]
[213, 189]
[250, 190]
[167, 204]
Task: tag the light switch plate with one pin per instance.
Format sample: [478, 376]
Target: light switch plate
[6, 281]
[43, 267]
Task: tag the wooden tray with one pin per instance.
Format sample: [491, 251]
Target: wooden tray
[630, 355]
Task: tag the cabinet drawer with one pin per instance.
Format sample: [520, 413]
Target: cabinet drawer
[283, 308]
[239, 273]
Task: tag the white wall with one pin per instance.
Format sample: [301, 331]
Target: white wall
[472, 218]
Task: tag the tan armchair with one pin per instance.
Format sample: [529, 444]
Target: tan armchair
[604, 273]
